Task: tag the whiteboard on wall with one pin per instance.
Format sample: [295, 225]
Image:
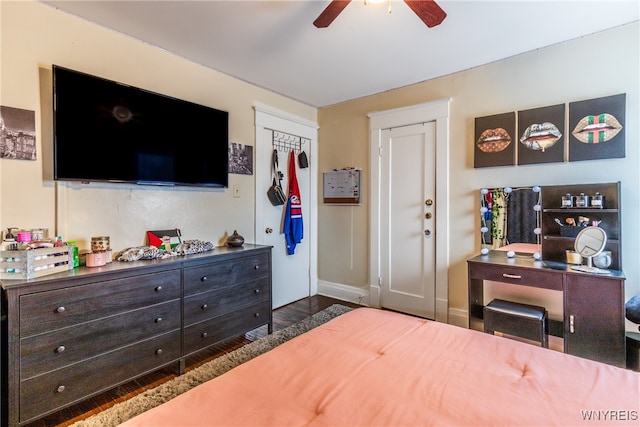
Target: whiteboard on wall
[341, 187]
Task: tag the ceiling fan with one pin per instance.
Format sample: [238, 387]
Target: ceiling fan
[427, 10]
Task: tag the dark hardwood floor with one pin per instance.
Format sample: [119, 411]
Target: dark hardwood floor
[282, 317]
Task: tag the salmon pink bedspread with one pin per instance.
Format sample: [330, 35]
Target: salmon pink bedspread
[370, 367]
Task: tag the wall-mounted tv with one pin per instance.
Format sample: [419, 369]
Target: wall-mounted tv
[107, 131]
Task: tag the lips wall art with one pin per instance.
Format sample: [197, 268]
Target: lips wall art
[597, 128]
[494, 137]
[541, 135]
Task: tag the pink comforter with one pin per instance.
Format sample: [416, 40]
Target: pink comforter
[378, 368]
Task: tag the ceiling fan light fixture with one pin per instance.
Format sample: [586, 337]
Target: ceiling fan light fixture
[389, 10]
[427, 10]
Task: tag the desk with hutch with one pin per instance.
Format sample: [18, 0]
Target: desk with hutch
[593, 324]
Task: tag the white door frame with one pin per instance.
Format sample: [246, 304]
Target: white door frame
[438, 112]
[269, 118]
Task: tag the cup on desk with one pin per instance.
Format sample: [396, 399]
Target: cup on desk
[574, 257]
[603, 259]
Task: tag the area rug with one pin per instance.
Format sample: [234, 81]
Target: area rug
[121, 412]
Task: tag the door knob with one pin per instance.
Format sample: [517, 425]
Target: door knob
[428, 202]
[427, 232]
[428, 215]
[268, 230]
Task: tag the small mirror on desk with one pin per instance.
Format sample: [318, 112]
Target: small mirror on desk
[589, 243]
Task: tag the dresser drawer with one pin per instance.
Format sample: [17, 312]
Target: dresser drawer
[50, 310]
[516, 275]
[56, 389]
[54, 350]
[209, 332]
[225, 299]
[222, 273]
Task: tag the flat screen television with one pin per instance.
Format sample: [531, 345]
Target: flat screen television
[107, 131]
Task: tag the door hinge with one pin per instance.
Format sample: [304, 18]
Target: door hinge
[380, 151]
[379, 281]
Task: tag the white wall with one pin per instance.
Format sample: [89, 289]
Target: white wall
[33, 37]
[558, 74]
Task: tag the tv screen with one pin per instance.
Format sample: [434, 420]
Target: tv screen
[109, 131]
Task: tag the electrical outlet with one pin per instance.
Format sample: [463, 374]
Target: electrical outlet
[236, 191]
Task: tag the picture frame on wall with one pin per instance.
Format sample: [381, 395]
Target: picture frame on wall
[541, 135]
[494, 140]
[17, 133]
[597, 128]
[240, 158]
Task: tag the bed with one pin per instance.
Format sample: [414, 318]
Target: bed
[372, 367]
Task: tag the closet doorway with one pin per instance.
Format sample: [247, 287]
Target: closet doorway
[409, 210]
[293, 276]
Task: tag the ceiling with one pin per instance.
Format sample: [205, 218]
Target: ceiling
[366, 50]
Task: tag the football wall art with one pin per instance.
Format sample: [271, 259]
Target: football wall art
[594, 130]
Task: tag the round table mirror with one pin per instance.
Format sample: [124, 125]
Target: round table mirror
[589, 243]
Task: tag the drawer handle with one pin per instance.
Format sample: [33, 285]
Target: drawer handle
[158, 288]
[257, 267]
[159, 351]
[204, 306]
[159, 319]
[60, 388]
[257, 291]
[204, 335]
[204, 279]
[60, 309]
[572, 324]
[511, 276]
[257, 314]
[60, 349]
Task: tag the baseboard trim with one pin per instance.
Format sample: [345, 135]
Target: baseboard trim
[459, 317]
[456, 316]
[343, 292]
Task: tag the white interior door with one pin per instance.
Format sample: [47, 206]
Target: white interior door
[408, 218]
[294, 276]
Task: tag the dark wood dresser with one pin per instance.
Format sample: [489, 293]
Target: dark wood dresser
[71, 335]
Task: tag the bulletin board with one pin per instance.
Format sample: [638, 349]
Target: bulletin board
[341, 187]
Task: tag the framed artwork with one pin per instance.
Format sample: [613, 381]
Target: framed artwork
[597, 128]
[541, 139]
[240, 159]
[493, 143]
[17, 133]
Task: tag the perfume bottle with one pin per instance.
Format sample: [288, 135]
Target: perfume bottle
[597, 201]
[567, 201]
[582, 200]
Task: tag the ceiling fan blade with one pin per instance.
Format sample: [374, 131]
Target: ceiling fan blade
[427, 10]
[330, 13]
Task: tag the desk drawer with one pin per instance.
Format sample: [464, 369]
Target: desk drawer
[516, 275]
